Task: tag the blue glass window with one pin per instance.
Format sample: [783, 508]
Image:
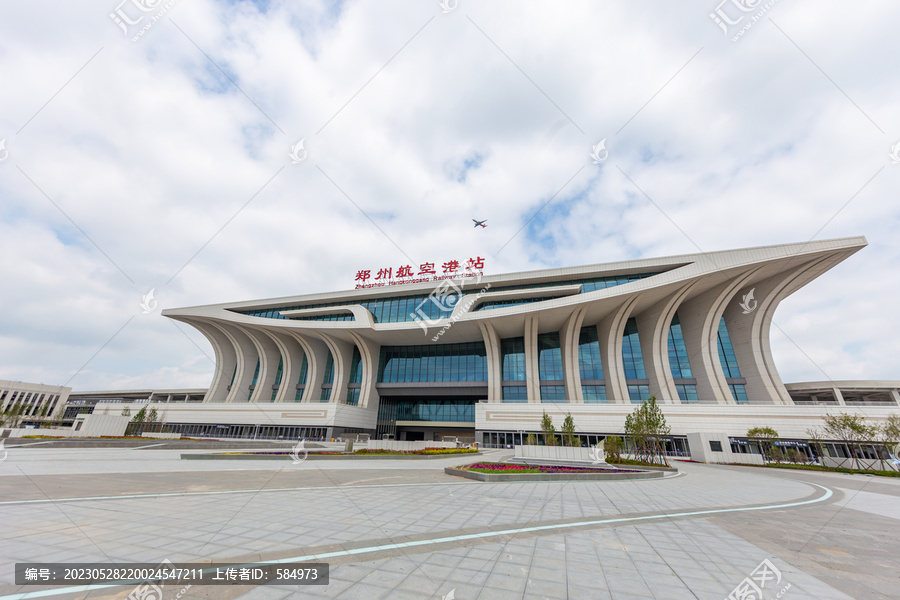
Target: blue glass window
[631, 352]
[325, 396]
[553, 393]
[255, 373]
[515, 393]
[590, 364]
[353, 396]
[739, 391]
[594, 394]
[433, 363]
[549, 357]
[421, 306]
[356, 367]
[687, 393]
[726, 352]
[678, 356]
[638, 393]
[512, 359]
[280, 370]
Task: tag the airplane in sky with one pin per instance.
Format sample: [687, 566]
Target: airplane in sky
[480, 223]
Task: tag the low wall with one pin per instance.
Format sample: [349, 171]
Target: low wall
[561, 453]
[401, 446]
[162, 436]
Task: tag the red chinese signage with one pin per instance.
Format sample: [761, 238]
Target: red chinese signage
[425, 272]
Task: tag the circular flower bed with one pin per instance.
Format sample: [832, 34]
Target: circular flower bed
[490, 467]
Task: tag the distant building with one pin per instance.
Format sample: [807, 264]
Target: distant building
[38, 402]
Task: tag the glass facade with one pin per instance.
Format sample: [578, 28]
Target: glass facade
[433, 363]
[594, 394]
[678, 356]
[435, 410]
[590, 365]
[739, 391]
[553, 393]
[638, 393]
[328, 381]
[515, 393]
[549, 357]
[512, 359]
[631, 352]
[408, 308]
[730, 365]
[687, 393]
[511, 302]
[353, 396]
[726, 352]
[301, 381]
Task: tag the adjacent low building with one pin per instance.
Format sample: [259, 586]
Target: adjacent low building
[484, 357]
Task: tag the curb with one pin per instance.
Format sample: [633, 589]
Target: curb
[513, 477]
[312, 456]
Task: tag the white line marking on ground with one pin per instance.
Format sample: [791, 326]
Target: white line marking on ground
[455, 538]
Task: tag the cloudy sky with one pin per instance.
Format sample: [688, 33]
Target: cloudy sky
[147, 147]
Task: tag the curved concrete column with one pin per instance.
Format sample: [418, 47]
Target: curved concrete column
[568, 342]
[653, 332]
[316, 355]
[532, 372]
[494, 367]
[268, 364]
[342, 354]
[246, 362]
[292, 355]
[369, 352]
[610, 333]
[699, 318]
[750, 332]
[226, 360]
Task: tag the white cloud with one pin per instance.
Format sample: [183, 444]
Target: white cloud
[150, 150]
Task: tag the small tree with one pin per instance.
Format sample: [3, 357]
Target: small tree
[531, 440]
[766, 438]
[137, 421]
[888, 435]
[850, 429]
[646, 427]
[549, 431]
[612, 447]
[568, 432]
[815, 440]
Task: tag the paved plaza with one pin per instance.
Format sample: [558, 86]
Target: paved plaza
[402, 529]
